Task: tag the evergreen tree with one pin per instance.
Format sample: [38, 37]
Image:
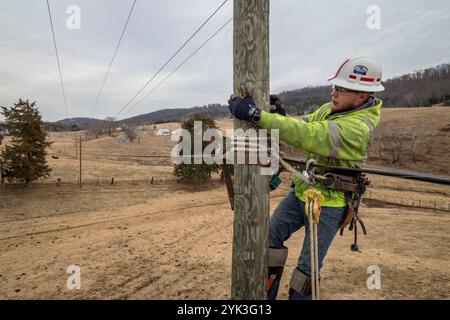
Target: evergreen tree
[196, 173]
[24, 158]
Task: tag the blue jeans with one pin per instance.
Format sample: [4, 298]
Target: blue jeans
[289, 216]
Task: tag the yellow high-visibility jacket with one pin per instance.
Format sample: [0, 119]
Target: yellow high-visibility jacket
[341, 139]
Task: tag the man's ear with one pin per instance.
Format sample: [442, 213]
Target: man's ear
[363, 96]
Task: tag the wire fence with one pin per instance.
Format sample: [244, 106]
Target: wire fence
[100, 182]
[435, 205]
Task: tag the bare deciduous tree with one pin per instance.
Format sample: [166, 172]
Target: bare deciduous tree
[95, 129]
[415, 137]
[397, 141]
[110, 125]
[378, 140]
[130, 132]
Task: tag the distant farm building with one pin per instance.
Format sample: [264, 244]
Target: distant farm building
[163, 132]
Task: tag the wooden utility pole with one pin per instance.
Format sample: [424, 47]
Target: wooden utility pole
[251, 201]
[80, 161]
[75, 141]
[2, 173]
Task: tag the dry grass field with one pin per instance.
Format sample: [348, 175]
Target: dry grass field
[138, 240]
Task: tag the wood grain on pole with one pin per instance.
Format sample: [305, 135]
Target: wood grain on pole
[251, 202]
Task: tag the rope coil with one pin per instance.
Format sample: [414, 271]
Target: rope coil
[313, 197]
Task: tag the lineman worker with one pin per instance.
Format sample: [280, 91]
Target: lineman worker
[339, 133]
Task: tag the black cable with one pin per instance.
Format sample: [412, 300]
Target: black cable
[179, 66]
[112, 60]
[57, 59]
[170, 59]
[379, 170]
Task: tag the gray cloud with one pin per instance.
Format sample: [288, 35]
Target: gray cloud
[308, 41]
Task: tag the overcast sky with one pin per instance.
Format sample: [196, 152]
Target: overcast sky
[308, 41]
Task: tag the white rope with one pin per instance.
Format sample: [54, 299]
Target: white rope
[316, 262]
[312, 249]
[314, 253]
[290, 169]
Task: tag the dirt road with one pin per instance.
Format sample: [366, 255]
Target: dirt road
[167, 242]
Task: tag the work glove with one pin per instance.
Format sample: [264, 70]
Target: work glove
[244, 108]
[276, 106]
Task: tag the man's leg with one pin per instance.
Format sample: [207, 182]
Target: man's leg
[286, 219]
[329, 222]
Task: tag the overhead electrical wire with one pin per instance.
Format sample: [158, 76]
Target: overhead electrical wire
[179, 66]
[57, 59]
[170, 59]
[113, 57]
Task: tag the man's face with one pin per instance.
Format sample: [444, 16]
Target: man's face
[344, 99]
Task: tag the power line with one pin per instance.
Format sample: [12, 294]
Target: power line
[170, 59]
[112, 60]
[57, 58]
[180, 65]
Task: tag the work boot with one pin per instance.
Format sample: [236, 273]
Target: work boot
[294, 295]
[276, 261]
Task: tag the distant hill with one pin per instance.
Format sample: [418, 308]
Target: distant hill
[160, 116]
[421, 88]
[175, 115]
[72, 124]
[81, 122]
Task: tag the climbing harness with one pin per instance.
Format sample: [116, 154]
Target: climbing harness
[353, 186]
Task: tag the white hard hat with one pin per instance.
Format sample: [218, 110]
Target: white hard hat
[359, 74]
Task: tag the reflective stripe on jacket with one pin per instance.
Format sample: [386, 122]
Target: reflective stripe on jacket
[340, 139]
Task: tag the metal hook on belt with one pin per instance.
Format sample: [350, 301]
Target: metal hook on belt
[309, 170]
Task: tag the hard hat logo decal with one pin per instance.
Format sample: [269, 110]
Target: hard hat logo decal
[360, 69]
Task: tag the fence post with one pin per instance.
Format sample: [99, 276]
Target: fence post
[112, 181]
[2, 174]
